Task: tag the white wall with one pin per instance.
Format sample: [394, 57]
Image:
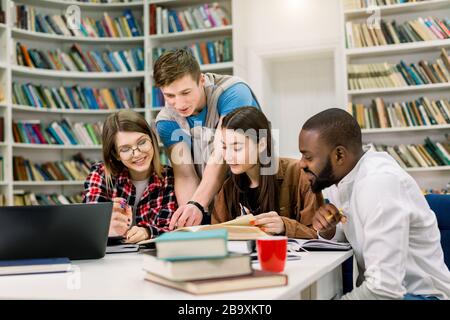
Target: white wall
[279, 47]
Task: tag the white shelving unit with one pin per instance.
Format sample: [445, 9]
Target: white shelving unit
[9, 72]
[434, 177]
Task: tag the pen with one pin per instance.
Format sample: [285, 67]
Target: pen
[243, 213]
[342, 217]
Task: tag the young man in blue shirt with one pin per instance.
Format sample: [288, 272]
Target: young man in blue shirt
[195, 104]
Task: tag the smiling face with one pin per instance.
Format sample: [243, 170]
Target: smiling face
[135, 151]
[239, 151]
[316, 160]
[185, 95]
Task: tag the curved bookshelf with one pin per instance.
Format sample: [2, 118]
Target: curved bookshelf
[420, 88]
[399, 8]
[32, 35]
[55, 146]
[48, 183]
[70, 111]
[411, 47]
[84, 5]
[75, 74]
[407, 129]
[193, 33]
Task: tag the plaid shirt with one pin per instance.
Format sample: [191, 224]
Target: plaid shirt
[156, 206]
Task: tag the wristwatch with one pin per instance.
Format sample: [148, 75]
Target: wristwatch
[199, 206]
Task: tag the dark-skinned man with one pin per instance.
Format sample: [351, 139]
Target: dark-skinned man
[393, 232]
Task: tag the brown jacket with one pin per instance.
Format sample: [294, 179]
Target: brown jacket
[297, 202]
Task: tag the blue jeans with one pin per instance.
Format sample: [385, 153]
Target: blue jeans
[410, 296]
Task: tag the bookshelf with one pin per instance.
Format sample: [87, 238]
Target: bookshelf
[431, 177]
[14, 111]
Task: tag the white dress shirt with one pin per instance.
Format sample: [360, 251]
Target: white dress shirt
[392, 230]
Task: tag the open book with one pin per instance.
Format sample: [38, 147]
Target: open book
[295, 245]
[238, 229]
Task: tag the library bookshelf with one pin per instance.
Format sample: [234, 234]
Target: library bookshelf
[429, 177]
[11, 72]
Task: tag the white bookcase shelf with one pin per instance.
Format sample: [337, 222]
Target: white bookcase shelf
[54, 147]
[193, 33]
[70, 111]
[47, 183]
[429, 177]
[410, 7]
[408, 129]
[76, 75]
[10, 35]
[32, 35]
[60, 4]
[404, 48]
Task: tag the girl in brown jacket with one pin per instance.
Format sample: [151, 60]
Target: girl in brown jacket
[275, 190]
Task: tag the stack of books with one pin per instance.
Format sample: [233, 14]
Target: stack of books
[206, 16]
[422, 29]
[61, 133]
[28, 18]
[199, 263]
[420, 112]
[22, 198]
[208, 52]
[77, 97]
[386, 75]
[72, 170]
[361, 4]
[430, 154]
[79, 61]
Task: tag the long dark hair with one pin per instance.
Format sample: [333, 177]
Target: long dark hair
[255, 125]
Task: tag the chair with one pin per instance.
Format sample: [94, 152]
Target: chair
[440, 204]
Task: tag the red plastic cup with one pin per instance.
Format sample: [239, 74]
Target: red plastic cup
[272, 252]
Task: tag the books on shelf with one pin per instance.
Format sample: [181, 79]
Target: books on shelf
[31, 266]
[2, 175]
[60, 133]
[73, 170]
[2, 200]
[207, 52]
[386, 75]
[417, 113]
[126, 25]
[76, 97]
[238, 229]
[202, 244]
[362, 4]
[206, 16]
[157, 97]
[257, 279]
[23, 198]
[297, 245]
[389, 32]
[183, 270]
[427, 155]
[2, 129]
[77, 60]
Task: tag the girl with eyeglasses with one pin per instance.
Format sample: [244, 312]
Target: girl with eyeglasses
[132, 177]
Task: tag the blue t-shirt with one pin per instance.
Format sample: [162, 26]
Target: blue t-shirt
[236, 96]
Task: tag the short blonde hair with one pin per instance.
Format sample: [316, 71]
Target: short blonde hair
[125, 121]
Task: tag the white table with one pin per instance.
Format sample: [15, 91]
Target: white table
[317, 275]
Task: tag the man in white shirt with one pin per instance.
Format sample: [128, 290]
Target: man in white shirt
[392, 230]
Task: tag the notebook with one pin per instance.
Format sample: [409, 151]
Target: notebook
[296, 245]
[30, 266]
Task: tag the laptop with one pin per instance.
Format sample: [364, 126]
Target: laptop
[75, 231]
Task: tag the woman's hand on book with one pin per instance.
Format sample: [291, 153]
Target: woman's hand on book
[136, 234]
[270, 222]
